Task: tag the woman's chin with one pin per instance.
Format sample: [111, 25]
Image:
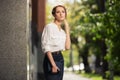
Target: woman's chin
[61, 20]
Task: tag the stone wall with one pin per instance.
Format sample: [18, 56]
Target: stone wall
[13, 40]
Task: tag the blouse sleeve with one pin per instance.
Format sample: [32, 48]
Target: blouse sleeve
[45, 39]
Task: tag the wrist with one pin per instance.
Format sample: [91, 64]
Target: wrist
[54, 65]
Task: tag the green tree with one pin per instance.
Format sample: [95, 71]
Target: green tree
[99, 29]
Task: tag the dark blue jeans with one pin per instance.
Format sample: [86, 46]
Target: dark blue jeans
[58, 58]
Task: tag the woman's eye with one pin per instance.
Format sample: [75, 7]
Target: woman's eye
[60, 11]
[57, 11]
[63, 11]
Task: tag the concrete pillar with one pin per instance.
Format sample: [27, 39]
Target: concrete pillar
[13, 39]
[37, 24]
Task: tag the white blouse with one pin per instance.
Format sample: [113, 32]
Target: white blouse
[52, 38]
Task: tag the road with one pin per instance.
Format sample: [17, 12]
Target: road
[73, 76]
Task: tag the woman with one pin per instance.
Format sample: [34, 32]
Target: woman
[54, 40]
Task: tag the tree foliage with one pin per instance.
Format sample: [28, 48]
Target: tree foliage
[88, 21]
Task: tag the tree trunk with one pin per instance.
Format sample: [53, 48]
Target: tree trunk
[71, 59]
[85, 59]
[97, 65]
[104, 61]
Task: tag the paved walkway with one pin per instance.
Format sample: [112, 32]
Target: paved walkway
[73, 76]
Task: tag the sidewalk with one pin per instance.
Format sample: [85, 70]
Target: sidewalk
[73, 76]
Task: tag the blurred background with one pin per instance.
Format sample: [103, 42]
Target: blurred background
[95, 35]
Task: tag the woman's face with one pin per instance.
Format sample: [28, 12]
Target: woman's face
[60, 14]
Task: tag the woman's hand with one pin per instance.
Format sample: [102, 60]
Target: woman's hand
[66, 23]
[67, 30]
[55, 69]
[66, 27]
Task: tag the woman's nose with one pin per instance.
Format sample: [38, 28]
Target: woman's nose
[60, 13]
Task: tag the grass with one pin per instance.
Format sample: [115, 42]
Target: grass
[96, 76]
[92, 76]
[117, 78]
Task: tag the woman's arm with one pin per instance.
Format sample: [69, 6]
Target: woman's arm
[67, 30]
[54, 66]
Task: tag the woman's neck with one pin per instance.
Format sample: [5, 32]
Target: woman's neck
[58, 23]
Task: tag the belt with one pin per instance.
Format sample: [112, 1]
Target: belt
[56, 52]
